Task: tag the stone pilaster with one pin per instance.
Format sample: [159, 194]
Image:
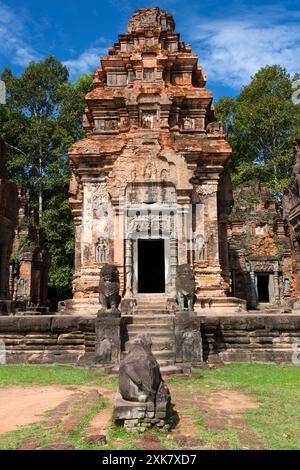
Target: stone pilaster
[183, 228]
[276, 284]
[128, 268]
[208, 270]
[118, 243]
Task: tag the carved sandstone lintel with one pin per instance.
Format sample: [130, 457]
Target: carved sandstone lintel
[206, 189]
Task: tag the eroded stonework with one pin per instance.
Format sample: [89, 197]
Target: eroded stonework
[8, 222]
[24, 259]
[152, 167]
[291, 206]
[260, 249]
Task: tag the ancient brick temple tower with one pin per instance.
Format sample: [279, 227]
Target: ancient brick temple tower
[150, 187]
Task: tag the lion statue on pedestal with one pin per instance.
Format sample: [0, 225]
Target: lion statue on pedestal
[109, 287]
[140, 379]
[185, 287]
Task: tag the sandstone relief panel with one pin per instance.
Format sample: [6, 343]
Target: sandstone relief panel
[98, 224]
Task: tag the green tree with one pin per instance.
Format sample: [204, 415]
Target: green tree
[57, 218]
[261, 124]
[42, 118]
[31, 127]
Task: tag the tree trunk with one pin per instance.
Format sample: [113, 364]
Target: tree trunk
[40, 192]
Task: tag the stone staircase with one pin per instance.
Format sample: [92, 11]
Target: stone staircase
[267, 309]
[152, 317]
[148, 304]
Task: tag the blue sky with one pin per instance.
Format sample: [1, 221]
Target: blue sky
[233, 39]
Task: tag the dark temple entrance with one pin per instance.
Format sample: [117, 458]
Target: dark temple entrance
[151, 266]
[263, 288]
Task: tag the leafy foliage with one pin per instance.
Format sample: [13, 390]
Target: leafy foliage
[243, 204]
[42, 118]
[261, 124]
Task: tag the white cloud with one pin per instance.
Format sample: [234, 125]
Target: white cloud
[231, 51]
[15, 44]
[12, 37]
[87, 61]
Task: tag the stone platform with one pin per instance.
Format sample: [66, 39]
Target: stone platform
[147, 303]
[220, 306]
[71, 339]
[138, 416]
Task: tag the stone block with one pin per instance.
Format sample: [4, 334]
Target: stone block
[107, 339]
[128, 410]
[34, 323]
[9, 323]
[188, 338]
[68, 323]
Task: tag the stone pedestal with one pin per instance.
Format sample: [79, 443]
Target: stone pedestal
[143, 399]
[138, 416]
[108, 337]
[188, 340]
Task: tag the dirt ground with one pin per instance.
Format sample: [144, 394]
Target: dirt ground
[24, 405]
[231, 402]
[21, 406]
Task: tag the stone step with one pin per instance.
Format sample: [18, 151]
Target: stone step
[161, 359]
[158, 344]
[87, 305]
[151, 299]
[171, 369]
[167, 369]
[140, 329]
[165, 362]
[157, 319]
[168, 336]
[152, 295]
[87, 309]
[160, 326]
[265, 312]
[149, 309]
[164, 355]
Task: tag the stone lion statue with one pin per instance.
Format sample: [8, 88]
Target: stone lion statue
[185, 287]
[139, 374]
[109, 287]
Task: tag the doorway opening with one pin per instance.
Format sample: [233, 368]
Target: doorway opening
[263, 288]
[151, 266]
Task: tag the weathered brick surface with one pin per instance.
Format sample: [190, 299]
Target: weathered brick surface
[71, 340]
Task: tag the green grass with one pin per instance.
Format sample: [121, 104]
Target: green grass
[212, 438]
[256, 375]
[47, 375]
[14, 439]
[120, 439]
[77, 435]
[276, 388]
[43, 436]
